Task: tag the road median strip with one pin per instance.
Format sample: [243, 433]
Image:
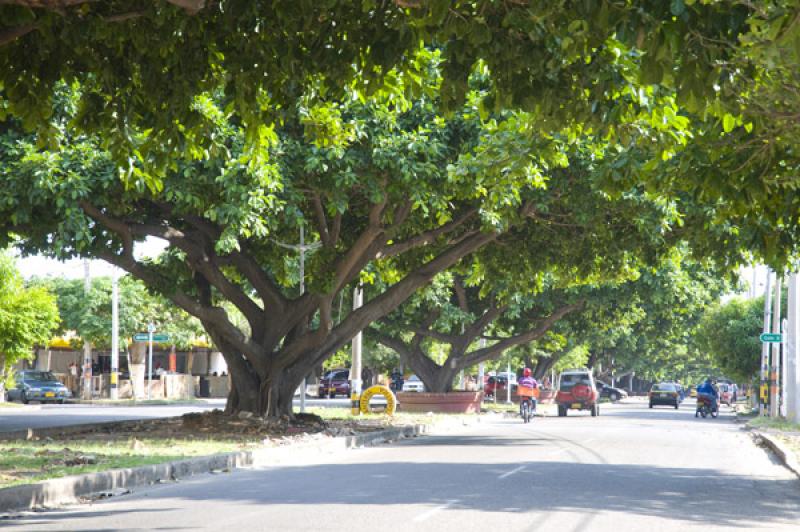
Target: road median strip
[77, 488]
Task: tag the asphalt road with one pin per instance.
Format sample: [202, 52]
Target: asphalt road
[53, 415]
[631, 469]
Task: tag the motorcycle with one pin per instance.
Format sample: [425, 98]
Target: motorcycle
[527, 402]
[706, 405]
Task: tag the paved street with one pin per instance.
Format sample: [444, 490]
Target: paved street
[51, 415]
[629, 469]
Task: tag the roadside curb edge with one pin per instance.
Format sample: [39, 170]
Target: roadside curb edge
[73, 489]
[786, 456]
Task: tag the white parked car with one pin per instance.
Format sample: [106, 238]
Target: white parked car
[511, 377]
[413, 384]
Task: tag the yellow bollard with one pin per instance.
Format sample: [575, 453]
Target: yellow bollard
[391, 400]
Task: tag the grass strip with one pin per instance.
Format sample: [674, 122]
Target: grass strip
[24, 462]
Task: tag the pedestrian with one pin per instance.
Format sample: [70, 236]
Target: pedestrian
[397, 380]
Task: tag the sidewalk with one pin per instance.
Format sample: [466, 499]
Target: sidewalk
[782, 437]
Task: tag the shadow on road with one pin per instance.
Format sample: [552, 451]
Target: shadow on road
[690, 495]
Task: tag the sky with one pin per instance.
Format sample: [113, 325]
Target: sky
[39, 266]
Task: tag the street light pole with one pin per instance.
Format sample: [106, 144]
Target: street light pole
[764, 388]
[87, 346]
[355, 367]
[114, 389]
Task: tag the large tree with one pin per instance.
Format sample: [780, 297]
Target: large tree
[380, 183]
[729, 332]
[512, 291]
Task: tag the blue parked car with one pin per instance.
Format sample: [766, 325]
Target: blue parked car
[34, 385]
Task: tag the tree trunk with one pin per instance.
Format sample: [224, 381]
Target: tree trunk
[189, 362]
[270, 395]
[437, 379]
[544, 365]
[137, 368]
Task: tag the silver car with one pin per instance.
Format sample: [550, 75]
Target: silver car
[35, 385]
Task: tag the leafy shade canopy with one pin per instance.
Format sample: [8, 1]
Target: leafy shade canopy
[28, 316]
[146, 69]
[730, 332]
[657, 316]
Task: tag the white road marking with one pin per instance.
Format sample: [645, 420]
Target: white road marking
[509, 473]
[425, 515]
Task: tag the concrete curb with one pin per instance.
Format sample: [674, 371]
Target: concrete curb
[73, 489]
[787, 457]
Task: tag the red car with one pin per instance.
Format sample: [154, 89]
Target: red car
[725, 393]
[577, 391]
[494, 384]
[335, 382]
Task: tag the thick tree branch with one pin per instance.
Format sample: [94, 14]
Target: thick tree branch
[201, 261]
[394, 296]
[192, 7]
[428, 237]
[479, 355]
[362, 250]
[461, 293]
[210, 315]
[322, 221]
[11, 34]
[243, 260]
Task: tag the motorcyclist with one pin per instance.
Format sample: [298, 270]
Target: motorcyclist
[528, 382]
[708, 389]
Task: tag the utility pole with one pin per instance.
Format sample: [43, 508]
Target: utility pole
[782, 376]
[481, 371]
[151, 328]
[355, 367]
[776, 350]
[302, 291]
[114, 390]
[508, 380]
[792, 371]
[764, 389]
[87, 345]
[302, 248]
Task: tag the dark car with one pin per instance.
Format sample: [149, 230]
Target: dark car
[335, 382]
[664, 393]
[34, 385]
[611, 392]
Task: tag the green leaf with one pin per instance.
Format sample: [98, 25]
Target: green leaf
[728, 122]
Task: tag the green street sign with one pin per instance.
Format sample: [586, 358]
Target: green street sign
[144, 337]
[771, 338]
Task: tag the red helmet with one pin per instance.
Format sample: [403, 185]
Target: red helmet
[526, 372]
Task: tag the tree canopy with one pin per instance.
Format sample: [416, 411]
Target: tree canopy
[89, 313]
[729, 332]
[28, 316]
[145, 68]
[401, 137]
